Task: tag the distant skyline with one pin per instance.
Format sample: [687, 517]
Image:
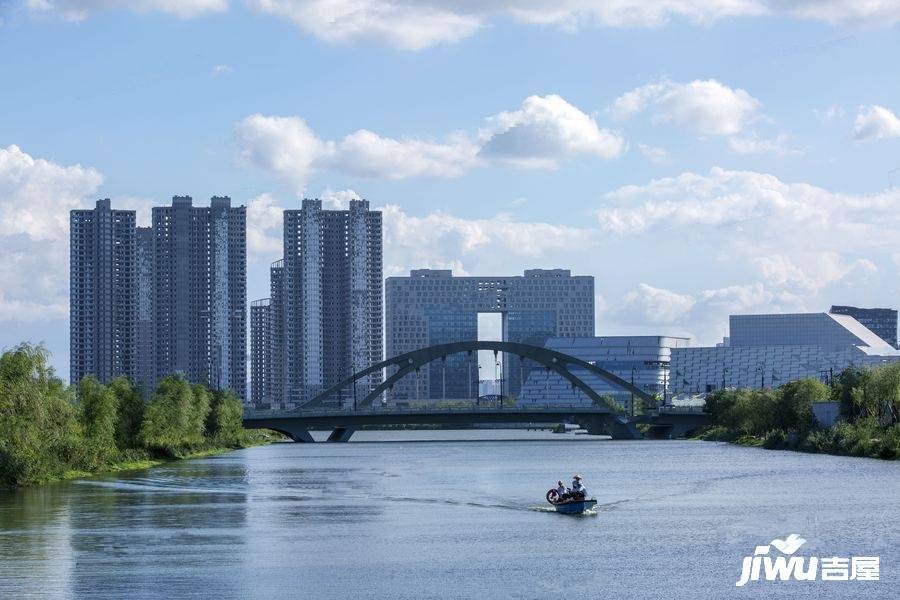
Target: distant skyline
[698, 158]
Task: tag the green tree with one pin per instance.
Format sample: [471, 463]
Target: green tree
[842, 388]
[794, 408]
[169, 425]
[131, 412]
[39, 433]
[224, 425]
[99, 416]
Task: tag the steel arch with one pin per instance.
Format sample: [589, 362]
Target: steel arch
[412, 361]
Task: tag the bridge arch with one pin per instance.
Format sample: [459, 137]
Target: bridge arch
[412, 361]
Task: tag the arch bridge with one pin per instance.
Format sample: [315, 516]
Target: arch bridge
[601, 416]
[412, 362]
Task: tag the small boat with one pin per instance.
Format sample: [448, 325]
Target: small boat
[575, 507]
[570, 506]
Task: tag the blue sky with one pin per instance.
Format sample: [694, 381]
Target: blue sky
[698, 158]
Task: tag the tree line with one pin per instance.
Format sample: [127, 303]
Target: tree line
[869, 407]
[49, 429]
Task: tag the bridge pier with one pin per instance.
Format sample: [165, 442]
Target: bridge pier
[341, 435]
[300, 436]
[616, 426]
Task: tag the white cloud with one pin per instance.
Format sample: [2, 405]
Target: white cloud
[841, 12]
[264, 222]
[545, 130]
[411, 25]
[875, 122]
[753, 144]
[704, 107]
[405, 25]
[798, 239]
[703, 315]
[436, 239]
[414, 25]
[655, 155]
[338, 200]
[36, 194]
[78, 10]
[35, 198]
[367, 154]
[218, 70]
[656, 305]
[542, 132]
[285, 146]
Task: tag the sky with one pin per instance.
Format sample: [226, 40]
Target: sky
[699, 158]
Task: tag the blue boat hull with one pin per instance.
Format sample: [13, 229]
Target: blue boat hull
[574, 508]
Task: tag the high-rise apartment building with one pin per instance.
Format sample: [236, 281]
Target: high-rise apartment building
[145, 372]
[147, 302]
[325, 306]
[200, 292]
[102, 292]
[881, 321]
[260, 335]
[433, 307]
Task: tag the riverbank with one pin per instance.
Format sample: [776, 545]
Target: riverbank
[860, 439]
[141, 461]
[51, 431]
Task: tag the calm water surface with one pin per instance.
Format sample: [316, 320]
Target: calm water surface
[385, 517]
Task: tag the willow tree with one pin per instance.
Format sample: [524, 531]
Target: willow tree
[39, 433]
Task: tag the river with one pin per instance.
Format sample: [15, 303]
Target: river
[413, 515]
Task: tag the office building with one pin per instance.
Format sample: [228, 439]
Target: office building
[640, 360]
[880, 321]
[200, 292]
[326, 302]
[102, 293]
[433, 307]
[770, 350]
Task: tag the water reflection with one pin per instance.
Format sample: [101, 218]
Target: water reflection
[445, 519]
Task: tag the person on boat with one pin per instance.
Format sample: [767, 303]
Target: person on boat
[579, 492]
[561, 490]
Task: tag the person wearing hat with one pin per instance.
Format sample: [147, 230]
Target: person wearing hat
[579, 492]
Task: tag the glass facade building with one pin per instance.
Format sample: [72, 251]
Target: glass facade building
[766, 351]
[433, 307]
[641, 360]
[881, 321]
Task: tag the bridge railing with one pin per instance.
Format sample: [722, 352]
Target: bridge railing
[423, 409]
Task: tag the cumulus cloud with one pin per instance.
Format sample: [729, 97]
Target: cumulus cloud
[35, 198]
[658, 306]
[542, 132]
[416, 25]
[704, 107]
[78, 10]
[875, 122]
[412, 25]
[436, 239]
[545, 130]
[798, 238]
[702, 315]
[264, 222]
